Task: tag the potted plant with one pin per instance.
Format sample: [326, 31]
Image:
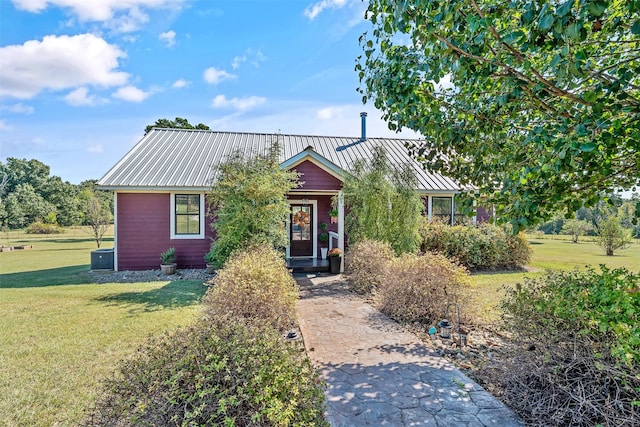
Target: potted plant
[333, 213]
[323, 238]
[210, 261]
[168, 261]
[335, 260]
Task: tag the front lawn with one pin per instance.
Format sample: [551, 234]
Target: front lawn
[61, 334]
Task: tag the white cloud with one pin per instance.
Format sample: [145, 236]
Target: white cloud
[131, 94]
[180, 83]
[121, 15]
[59, 63]
[168, 38]
[254, 57]
[312, 11]
[214, 76]
[4, 125]
[240, 104]
[329, 113]
[96, 149]
[80, 97]
[18, 108]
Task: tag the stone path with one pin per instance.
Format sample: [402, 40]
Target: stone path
[379, 374]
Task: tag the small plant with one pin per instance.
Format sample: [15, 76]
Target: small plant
[333, 213]
[210, 257]
[168, 257]
[323, 226]
[335, 252]
[323, 237]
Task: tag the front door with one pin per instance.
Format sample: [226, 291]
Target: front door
[300, 231]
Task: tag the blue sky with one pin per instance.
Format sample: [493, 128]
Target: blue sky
[80, 79]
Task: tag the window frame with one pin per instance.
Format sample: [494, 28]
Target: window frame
[173, 215]
[451, 213]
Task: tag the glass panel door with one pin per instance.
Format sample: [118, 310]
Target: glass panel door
[301, 231]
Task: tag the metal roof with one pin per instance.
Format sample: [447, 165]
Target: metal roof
[185, 158]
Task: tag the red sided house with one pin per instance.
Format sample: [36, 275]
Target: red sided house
[160, 185]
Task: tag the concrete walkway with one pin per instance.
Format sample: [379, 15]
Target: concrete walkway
[379, 374]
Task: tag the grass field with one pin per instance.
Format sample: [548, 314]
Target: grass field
[60, 333]
[550, 252]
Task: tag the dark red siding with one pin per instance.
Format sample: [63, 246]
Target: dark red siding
[315, 178]
[144, 231]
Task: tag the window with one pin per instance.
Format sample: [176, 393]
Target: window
[188, 216]
[441, 209]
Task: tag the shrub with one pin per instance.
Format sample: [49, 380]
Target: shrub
[582, 330]
[485, 247]
[576, 228]
[364, 263]
[254, 283]
[611, 236]
[418, 288]
[42, 228]
[230, 371]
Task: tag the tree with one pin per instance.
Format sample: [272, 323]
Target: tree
[611, 236]
[383, 204]
[178, 123]
[24, 206]
[249, 200]
[534, 103]
[576, 228]
[98, 217]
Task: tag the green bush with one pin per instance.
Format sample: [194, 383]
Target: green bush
[485, 247]
[418, 288]
[42, 228]
[365, 262]
[582, 333]
[254, 283]
[229, 371]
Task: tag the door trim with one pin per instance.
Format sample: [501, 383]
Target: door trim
[314, 228]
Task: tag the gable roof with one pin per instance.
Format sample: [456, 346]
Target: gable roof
[184, 158]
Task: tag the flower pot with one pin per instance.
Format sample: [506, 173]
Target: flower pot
[335, 262]
[168, 268]
[323, 252]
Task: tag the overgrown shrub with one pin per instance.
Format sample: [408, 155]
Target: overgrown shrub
[229, 371]
[418, 288]
[485, 247]
[582, 332]
[254, 283]
[365, 262]
[42, 228]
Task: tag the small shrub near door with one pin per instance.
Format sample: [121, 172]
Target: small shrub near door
[228, 371]
[254, 283]
[365, 262]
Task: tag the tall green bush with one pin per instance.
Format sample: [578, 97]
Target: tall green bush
[230, 371]
[254, 283]
[249, 203]
[383, 204]
[484, 247]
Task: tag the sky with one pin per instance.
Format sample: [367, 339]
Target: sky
[80, 79]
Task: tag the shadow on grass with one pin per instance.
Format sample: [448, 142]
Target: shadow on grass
[73, 275]
[180, 293]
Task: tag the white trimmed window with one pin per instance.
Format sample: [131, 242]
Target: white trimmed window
[187, 216]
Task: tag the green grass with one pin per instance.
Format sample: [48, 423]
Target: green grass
[549, 253]
[61, 333]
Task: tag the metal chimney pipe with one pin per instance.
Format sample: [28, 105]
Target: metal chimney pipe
[363, 126]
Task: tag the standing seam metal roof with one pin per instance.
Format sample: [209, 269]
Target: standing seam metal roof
[185, 158]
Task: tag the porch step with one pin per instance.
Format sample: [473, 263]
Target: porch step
[308, 265]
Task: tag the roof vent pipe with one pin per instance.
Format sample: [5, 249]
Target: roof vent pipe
[363, 126]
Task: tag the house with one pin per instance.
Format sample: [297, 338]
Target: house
[160, 185]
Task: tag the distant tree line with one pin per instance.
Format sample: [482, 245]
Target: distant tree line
[586, 221]
[30, 194]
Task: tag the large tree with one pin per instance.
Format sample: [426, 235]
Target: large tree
[536, 103]
[178, 123]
